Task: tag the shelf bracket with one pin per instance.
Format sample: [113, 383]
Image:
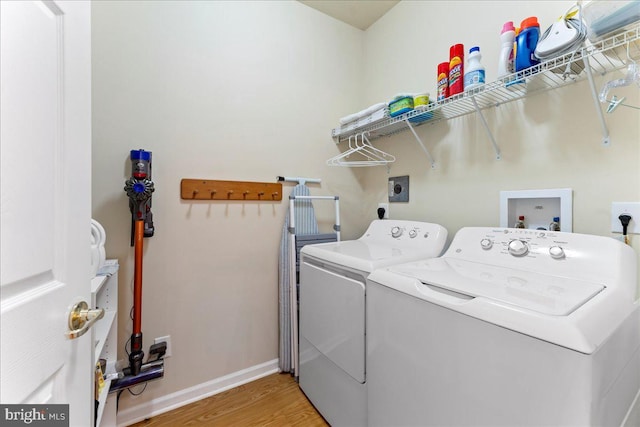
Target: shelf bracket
[424, 148]
[486, 128]
[594, 93]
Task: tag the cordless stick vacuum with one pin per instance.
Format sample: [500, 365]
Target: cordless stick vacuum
[139, 189]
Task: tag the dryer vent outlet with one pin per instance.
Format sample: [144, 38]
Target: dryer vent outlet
[399, 189]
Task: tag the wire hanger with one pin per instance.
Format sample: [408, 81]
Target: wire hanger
[364, 152]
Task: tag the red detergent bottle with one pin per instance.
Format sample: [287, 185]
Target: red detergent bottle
[443, 81]
[456, 69]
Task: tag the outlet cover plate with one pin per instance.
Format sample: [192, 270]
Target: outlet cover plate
[166, 339]
[399, 189]
[629, 208]
[384, 206]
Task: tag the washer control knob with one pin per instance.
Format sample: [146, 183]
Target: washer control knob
[396, 231]
[556, 252]
[518, 248]
[486, 244]
[413, 233]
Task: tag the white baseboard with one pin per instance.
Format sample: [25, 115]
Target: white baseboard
[180, 398]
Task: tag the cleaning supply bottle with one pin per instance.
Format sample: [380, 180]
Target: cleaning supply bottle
[520, 222]
[526, 43]
[507, 39]
[456, 69]
[514, 82]
[555, 224]
[474, 73]
[443, 81]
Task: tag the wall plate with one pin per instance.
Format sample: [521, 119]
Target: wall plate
[384, 206]
[399, 189]
[629, 208]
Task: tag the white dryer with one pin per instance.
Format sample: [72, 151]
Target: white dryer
[332, 311]
[509, 327]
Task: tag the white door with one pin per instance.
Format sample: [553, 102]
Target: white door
[45, 203]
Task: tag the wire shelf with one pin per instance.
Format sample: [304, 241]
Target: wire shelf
[603, 56]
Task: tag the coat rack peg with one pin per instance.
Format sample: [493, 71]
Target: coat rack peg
[200, 189]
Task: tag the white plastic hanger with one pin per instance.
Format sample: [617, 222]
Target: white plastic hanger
[365, 154]
[633, 76]
[372, 156]
[373, 151]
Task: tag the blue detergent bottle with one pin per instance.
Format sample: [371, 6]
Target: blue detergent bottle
[526, 43]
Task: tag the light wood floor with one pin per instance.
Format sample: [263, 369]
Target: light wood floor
[275, 400]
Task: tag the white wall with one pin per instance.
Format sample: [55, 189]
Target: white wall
[216, 90]
[550, 140]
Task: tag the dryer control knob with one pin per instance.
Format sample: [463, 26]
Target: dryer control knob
[486, 244]
[396, 231]
[556, 252]
[518, 248]
[413, 233]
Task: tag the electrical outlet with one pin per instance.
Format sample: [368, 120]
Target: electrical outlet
[628, 208]
[384, 206]
[166, 339]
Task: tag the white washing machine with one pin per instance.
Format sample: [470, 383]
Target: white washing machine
[332, 311]
[509, 327]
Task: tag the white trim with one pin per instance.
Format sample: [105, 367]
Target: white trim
[180, 398]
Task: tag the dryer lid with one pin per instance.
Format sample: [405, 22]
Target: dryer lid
[384, 243]
[362, 255]
[539, 292]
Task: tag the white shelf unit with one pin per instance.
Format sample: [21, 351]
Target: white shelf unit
[599, 58]
[104, 294]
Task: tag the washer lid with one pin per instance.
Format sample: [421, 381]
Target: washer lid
[543, 293]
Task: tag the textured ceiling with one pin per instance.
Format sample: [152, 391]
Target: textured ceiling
[358, 13]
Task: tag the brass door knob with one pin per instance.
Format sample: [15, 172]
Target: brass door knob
[81, 319]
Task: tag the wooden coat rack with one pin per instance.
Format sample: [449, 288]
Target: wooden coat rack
[204, 189]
